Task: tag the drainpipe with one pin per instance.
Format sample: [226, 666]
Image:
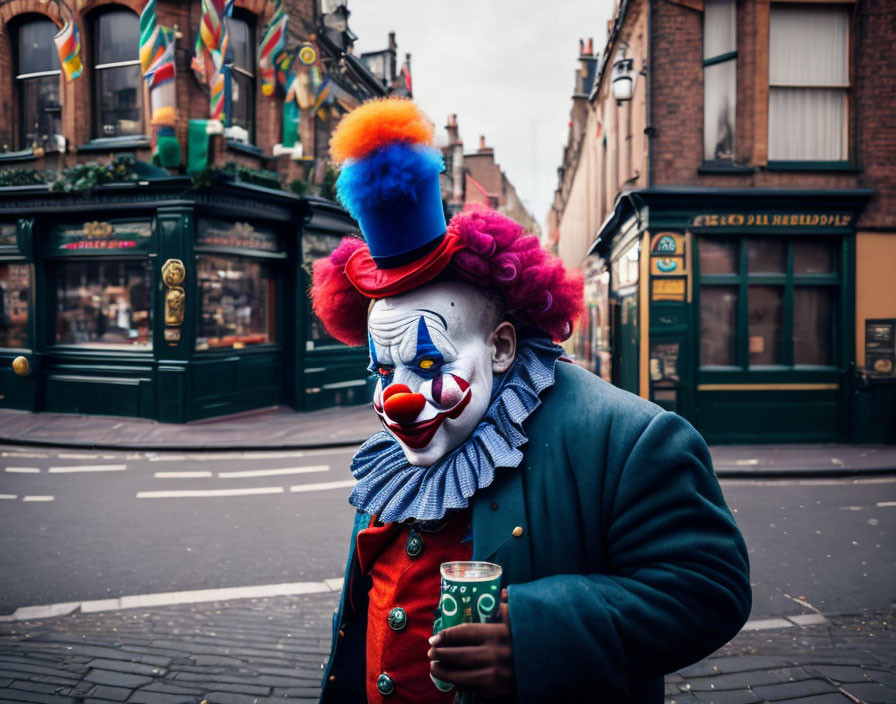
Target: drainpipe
[648, 87]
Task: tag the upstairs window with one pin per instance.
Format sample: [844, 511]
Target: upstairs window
[808, 84]
[118, 83]
[719, 79]
[242, 78]
[37, 84]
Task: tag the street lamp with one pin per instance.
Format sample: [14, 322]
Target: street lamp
[623, 76]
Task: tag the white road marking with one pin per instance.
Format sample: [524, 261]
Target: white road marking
[201, 493]
[37, 498]
[806, 482]
[885, 504]
[23, 470]
[807, 619]
[274, 472]
[181, 475]
[762, 624]
[323, 486]
[31, 455]
[746, 463]
[83, 456]
[88, 468]
[253, 455]
[9, 497]
[168, 598]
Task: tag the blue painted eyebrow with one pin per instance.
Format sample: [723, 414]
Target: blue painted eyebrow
[425, 347]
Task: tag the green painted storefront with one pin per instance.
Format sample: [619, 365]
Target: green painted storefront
[736, 309]
[157, 300]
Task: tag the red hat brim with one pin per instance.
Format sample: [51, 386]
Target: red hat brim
[373, 282]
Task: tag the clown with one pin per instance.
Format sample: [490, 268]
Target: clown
[621, 561]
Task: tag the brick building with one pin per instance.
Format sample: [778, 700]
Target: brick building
[475, 177]
[161, 167]
[729, 185]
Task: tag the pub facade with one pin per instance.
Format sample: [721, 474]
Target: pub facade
[161, 271]
[732, 200]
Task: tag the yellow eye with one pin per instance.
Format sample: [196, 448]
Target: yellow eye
[426, 364]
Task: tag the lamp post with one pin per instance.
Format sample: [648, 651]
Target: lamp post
[623, 76]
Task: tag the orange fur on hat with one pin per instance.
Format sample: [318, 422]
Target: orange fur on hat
[377, 124]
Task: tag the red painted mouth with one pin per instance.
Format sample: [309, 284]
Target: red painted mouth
[419, 435]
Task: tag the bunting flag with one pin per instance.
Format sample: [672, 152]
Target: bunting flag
[157, 64]
[68, 44]
[210, 55]
[271, 47]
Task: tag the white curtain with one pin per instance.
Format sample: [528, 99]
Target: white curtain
[808, 81]
[719, 80]
[719, 23]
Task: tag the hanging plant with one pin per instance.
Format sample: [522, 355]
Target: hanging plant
[84, 177]
[21, 177]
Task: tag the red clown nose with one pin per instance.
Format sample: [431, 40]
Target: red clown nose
[401, 405]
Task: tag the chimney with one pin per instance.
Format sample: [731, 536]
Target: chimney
[393, 45]
[581, 47]
[590, 46]
[483, 148]
[451, 129]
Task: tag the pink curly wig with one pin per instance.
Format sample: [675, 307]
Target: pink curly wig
[537, 290]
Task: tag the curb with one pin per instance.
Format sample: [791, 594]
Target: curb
[204, 447]
[803, 472]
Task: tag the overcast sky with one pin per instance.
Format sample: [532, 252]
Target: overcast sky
[506, 67]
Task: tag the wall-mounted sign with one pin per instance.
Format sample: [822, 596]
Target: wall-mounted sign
[97, 236]
[666, 266]
[668, 289]
[744, 220]
[880, 346]
[667, 254]
[667, 244]
[242, 235]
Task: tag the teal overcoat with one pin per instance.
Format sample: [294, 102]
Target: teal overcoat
[629, 564]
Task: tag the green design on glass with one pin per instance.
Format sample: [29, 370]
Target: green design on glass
[467, 596]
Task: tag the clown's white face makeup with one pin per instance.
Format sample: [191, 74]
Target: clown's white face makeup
[434, 351]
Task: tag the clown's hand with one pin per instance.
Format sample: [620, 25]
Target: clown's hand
[475, 656]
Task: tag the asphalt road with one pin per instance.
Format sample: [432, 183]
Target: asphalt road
[123, 523]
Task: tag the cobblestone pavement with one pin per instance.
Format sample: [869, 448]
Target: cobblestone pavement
[255, 651]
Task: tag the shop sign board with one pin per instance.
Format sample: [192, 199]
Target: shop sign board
[101, 236]
[797, 220]
[880, 347]
[236, 235]
[668, 289]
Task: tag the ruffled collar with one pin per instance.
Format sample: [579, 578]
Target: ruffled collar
[394, 490]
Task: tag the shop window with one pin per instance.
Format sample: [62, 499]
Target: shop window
[237, 302]
[808, 83]
[242, 78]
[104, 304]
[317, 246]
[718, 317]
[15, 287]
[118, 83]
[768, 302]
[37, 85]
[719, 79]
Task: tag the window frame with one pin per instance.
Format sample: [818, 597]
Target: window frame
[250, 21]
[764, 75]
[20, 78]
[95, 75]
[715, 61]
[838, 280]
